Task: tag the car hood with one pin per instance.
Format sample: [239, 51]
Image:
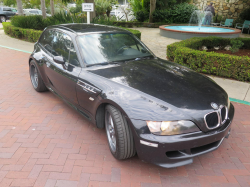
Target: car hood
[179, 88]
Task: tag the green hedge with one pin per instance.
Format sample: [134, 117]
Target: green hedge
[135, 32]
[187, 53]
[32, 35]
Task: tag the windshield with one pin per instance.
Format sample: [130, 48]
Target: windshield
[111, 47]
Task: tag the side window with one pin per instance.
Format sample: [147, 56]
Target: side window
[61, 45]
[72, 56]
[46, 40]
[6, 9]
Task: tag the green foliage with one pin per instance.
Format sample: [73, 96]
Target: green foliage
[218, 18]
[77, 9]
[25, 34]
[236, 45]
[181, 13]
[104, 6]
[136, 5]
[245, 14]
[61, 18]
[38, 23]
[32, 22]
[161, 16]
[187, 53]
[142, 15]
[34, 3]
[135, 32]
[9, 2]
[28, 34]
[104, 20]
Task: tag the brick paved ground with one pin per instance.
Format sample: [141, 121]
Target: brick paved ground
[43, 142]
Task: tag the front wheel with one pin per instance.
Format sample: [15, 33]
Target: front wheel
[120, 139]
[2, 19]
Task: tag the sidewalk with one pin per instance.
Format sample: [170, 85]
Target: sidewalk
[158, 44]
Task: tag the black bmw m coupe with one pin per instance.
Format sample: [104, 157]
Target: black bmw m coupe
[164, 112]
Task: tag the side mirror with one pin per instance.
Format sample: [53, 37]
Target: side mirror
[59, 60]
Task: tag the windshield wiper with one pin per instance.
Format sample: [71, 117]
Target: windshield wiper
[103, 63]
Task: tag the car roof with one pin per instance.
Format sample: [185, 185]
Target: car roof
[82, 28]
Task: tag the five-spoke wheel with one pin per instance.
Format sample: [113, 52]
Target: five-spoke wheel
[120, 138]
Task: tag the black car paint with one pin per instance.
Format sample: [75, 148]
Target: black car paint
[143, 89]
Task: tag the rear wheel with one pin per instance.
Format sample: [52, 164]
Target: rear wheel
[36, 79]
[120, 139]
[2, 19]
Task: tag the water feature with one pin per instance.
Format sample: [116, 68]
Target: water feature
[197, 28]
[198, 18]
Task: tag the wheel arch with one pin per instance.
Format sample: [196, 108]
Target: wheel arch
[100, 112]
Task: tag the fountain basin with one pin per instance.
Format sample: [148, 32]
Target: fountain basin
[185, 32]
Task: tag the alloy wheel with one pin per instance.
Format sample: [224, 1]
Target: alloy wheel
[34, 76]
[110, 130]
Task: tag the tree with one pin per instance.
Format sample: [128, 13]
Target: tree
[152, 9]
[52, 7]
[9, 2]
[19, 7]
[43, 8]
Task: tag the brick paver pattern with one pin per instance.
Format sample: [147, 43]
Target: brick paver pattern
[43, 142]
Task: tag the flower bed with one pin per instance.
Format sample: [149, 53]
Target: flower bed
[187, 53]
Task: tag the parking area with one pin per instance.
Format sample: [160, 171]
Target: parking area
[43, 142]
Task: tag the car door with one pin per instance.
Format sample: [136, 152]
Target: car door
[7, 11]
[62, 77]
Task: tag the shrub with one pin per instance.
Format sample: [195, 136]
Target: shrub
[187, 53]
[181, 13]
[245, 14]
[135, 32]
[161, 16]
[62, 17]
[38, 23]
[142, 15]
[30, 22]
[25, 34]
[104, 19]
[236, 45]
[32, 35]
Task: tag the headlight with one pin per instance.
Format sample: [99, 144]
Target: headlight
[171, 127]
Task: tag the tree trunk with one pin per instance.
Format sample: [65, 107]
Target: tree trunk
[43, 8]
[19, 7]
[52, 7]
[152, 9]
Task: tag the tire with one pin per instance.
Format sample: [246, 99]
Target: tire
[2, 19]
[35, 78]
[120, 139]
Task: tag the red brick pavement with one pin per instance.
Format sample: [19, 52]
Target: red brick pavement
[43, 142]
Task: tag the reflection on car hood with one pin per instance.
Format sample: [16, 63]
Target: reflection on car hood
[167, 81]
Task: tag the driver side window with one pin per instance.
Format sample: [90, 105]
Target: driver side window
[61, 44]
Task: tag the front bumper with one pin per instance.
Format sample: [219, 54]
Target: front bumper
[178, 150]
